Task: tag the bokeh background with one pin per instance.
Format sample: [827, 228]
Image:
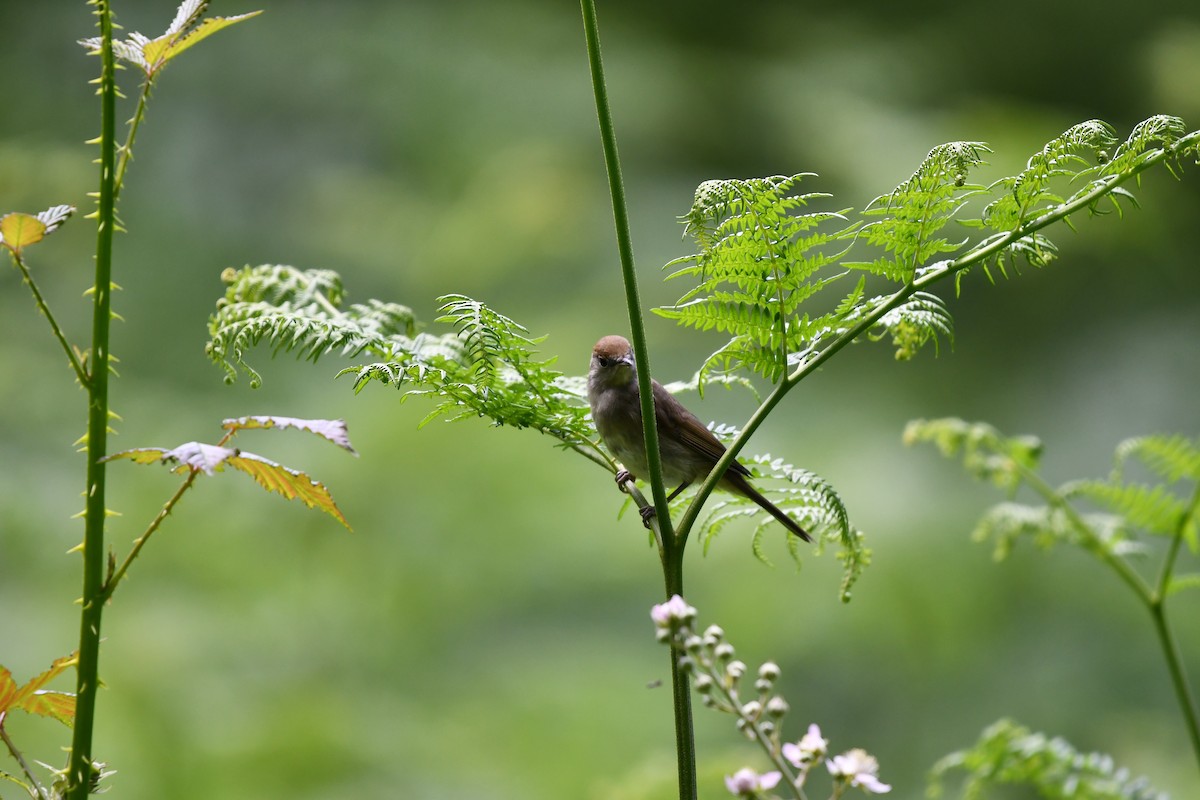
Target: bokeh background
[483, 633]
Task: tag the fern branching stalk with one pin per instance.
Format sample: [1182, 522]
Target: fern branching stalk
[1131, 506]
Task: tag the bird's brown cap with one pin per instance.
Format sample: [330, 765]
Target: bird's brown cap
[613, 348]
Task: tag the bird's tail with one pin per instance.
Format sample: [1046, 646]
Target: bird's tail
[742, 486]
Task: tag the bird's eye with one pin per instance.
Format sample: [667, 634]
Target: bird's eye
[604, 362]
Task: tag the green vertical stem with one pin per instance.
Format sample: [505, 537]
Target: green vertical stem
[670, 549]
[79, 766]
[1179, 680]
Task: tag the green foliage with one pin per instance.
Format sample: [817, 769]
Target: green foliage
[762, 261]
[757, 264]
[299, 311]
[1126, 507]
[1008, 754]
[986, 454]
[485, 367]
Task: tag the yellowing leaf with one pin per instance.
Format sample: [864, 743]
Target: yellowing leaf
[210, 459]
[175, 45]
[332, 429]
[19, 230]
[33, 699]
[292, 484]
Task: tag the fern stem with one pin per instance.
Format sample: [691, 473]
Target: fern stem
[76, 364]
[1187, 703]
[1154, 601]
[1125, 572]
[80, 763]
[1166, 637]
[671, 548]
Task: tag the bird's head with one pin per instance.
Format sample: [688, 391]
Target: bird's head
[612, 361]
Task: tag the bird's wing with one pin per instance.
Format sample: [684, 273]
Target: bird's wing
[672, 415]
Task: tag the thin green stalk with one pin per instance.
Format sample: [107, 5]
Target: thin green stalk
[79, 765]
[113, 580]
[1158, 611]
[671, 548]
[126, 149]
[637, 330]
[1154, 601]
[72, 356]
[16, 754]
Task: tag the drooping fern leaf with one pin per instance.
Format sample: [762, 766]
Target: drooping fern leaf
[485, 367]
[298, 311]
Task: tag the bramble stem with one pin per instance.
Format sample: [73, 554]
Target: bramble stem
[80, 762]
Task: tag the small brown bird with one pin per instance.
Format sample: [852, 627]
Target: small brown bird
[689, 450]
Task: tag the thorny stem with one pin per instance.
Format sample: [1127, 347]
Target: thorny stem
[80, 763]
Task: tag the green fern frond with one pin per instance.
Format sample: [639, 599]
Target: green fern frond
[916, 210]
[986, 454]
[1153, 508]
[1028, 194]
[1005, 524]
[486, 367]
[1171, 457]
[1009, 754]
[758, 263]
[913, 324]
[298, 311]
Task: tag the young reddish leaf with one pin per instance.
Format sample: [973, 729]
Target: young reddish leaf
[292, 484]
[332, 429]
[33, 699]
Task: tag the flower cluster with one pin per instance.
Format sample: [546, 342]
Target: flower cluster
[717, 676]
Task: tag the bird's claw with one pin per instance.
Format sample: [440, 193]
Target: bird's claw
[648, 514]
[623, 477]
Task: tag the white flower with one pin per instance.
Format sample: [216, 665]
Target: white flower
[859, 767]
[811, 747]
[748, 783]
[672, 614]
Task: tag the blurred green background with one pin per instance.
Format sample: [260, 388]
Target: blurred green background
[484, 633]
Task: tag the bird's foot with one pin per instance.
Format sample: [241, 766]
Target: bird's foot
[623, 477]
[648, 513]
